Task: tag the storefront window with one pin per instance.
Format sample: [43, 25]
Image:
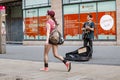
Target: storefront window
[34, 14]
[104, 17]
[107, 21]
[71, 22]
[35, 23]
[35, 3]
[31, 24]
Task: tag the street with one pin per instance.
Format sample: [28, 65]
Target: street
[106, 55]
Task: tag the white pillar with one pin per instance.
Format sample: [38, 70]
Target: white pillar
[118, 21]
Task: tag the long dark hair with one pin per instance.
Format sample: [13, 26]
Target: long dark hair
[53, 18]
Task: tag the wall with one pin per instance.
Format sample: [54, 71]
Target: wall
[118, 21]
[58, 9]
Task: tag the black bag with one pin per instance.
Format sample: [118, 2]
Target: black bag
[81, 54]
[56, 38]
[61, 39]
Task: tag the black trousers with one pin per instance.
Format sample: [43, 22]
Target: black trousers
[88, 42]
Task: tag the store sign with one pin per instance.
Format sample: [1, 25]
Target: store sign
[90, 7]
[106, 22]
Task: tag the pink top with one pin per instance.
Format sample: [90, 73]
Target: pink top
[52, 24]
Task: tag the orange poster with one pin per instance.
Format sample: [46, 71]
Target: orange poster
[31, 27]
[109, 23]
[35, 27]
[42, 26]
[71, 25]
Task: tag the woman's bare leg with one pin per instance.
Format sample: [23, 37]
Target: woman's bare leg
[55, 52]
[46, 51]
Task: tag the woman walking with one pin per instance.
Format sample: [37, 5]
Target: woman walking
[50, 25]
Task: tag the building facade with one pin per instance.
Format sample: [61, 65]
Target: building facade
[71, 14]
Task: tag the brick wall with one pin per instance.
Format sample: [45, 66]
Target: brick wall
[118, 21]
[57, 7]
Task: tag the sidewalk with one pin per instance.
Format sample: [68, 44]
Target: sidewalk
[29, 70]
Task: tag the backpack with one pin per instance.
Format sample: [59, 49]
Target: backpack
[55, 37]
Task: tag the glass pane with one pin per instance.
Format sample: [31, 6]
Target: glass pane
[84, 10]
[31, 24]
[89, 0]
[65, 1]
[75, 1]
[107, 21]
[78, 1]
[35, 3]
[42, 22]
[71, 25]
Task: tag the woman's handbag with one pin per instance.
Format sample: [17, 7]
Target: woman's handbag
[56, 38]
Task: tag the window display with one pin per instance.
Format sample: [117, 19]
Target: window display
[106, 21]
[104, 17]
[34, 23]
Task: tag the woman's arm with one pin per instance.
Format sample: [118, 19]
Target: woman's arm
[48, 33]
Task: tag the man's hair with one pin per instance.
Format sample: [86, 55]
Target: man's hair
[90, 15]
